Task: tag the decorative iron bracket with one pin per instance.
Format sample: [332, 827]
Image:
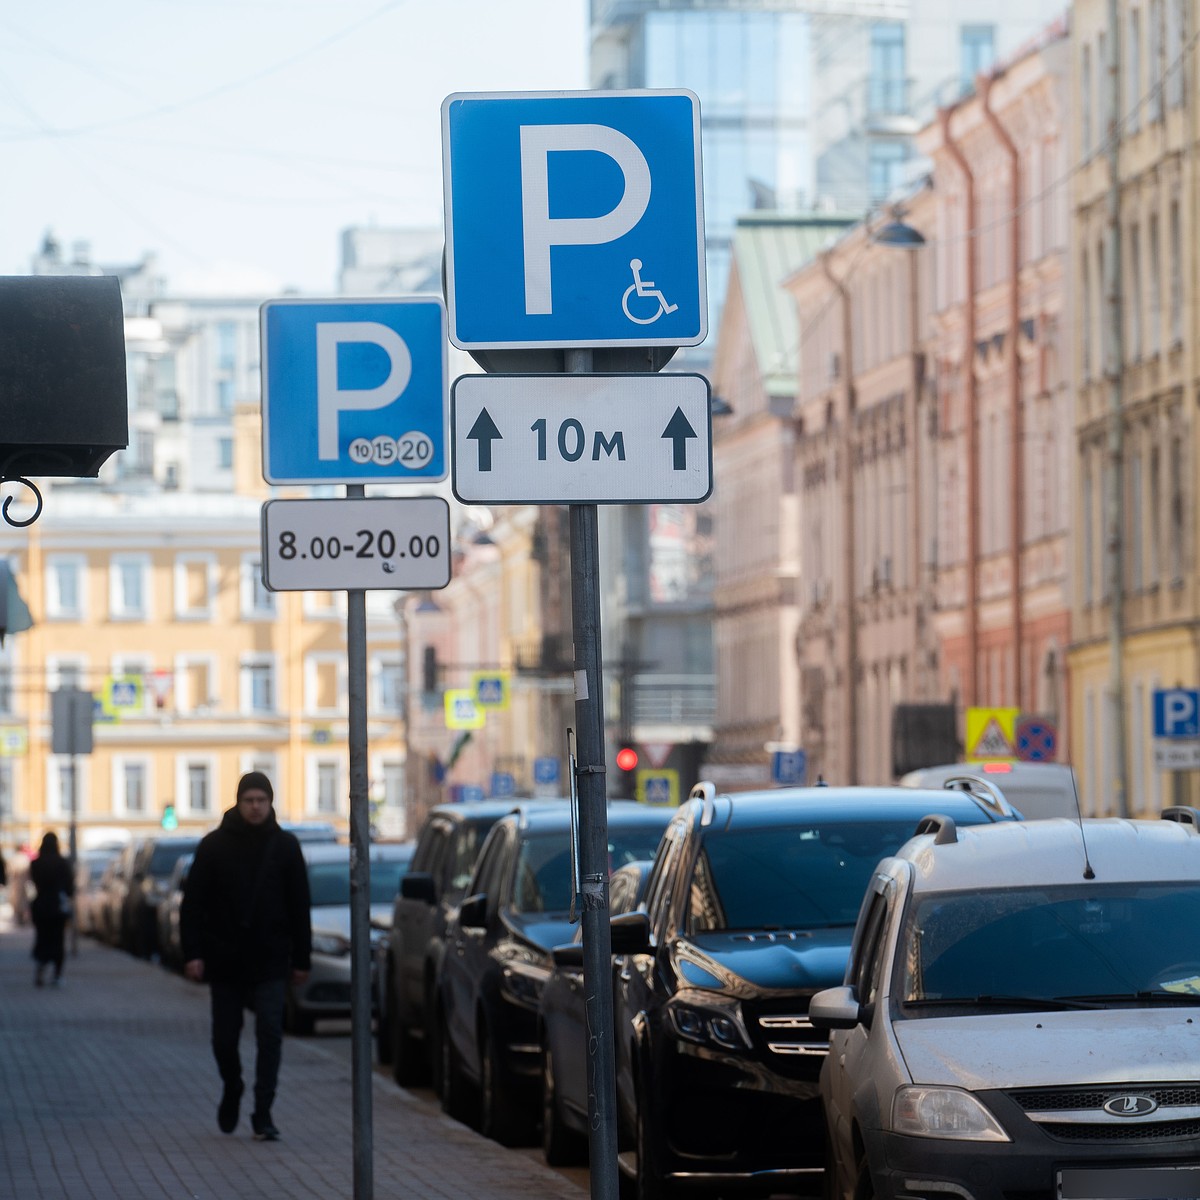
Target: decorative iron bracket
[37, 512]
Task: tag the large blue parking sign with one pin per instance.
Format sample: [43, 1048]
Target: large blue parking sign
[354, 391]
[1176, 713]
[574, 219]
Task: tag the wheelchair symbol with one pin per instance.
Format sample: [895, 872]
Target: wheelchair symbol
[644, 289]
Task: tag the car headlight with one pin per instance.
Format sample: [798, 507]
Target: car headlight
[943, 1112]
[331, 943]
[521, 988]
[708, 1022]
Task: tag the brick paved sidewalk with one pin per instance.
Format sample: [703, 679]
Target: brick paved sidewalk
[108, 1091]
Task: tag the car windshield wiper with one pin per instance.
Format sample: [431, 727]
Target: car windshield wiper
[999, 1001]
[1141, 997]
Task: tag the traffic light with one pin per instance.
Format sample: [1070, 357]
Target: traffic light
[627, 762]
[169, 819]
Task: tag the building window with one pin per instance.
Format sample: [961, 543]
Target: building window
[328, 787]
[225, 453]
[195, 586]
[1086, 322]
[226, 346]
[977, 51]
[1088, 547]
[64, 587]
[1154, 80]
[1153, 551]
[1085, 90]
[1176, 309]
[885, 170]
[322, 683]
[6, 790]
[225, 396]
[258, 686]
[196, 786]
[1154, 305]
[128, 587]
[886, 87]
[389, 686]
[1133, 74]
[1177, 26]
[1176, 510]
[196, 684]
[1137, 293]
[1133, 530]
[130, 786]
[257, 601]
[67, 777]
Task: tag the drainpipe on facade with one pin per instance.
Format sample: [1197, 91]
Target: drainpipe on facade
[971, 417]
[1016, 425]
[850, 641]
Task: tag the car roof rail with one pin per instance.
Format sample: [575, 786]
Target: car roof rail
[1182, 814]
[943, 828]
[983, 791]
[706, 792]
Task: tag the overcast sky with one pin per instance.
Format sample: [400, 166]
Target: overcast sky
[237, 138]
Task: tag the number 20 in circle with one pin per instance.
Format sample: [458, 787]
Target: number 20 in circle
[356, 543]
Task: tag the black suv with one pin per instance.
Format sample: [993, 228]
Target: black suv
[499, 955]
[410, 959]
[749, 911]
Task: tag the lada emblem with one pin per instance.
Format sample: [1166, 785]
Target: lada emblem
[1130, 1106]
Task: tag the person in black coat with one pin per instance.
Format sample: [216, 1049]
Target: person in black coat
[245, 926]
[54, 885]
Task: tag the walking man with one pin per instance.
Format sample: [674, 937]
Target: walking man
[245, 928]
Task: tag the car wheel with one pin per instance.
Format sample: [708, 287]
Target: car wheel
[499, 1115]
[561, 1145]
[864, 1185]
[650, 1184]
[452, 1086]
[410, 1055]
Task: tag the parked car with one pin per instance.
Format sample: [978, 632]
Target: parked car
[1020, 1016]
[90, 866]
[498, 957]
[563, 1029]
[326, 992]
[170, 944]
[1034, 789]
[749, 911]
[113, 905]
[147, 886]
[310, 831]
[410, 957]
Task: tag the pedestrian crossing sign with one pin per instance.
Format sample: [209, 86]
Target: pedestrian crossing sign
[991, 734]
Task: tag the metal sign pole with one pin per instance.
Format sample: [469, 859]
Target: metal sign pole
[360, 889]
[593, 835]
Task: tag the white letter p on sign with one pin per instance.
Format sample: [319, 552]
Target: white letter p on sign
[332, 399]
[541, 230]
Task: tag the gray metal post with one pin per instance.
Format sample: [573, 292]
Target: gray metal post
[360, 890]
[593, 835]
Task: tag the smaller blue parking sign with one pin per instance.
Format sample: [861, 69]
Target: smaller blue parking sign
[354, 391]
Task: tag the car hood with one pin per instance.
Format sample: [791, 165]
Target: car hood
[746, 962]
[335, 918]
[1008, 1050]
[544, 930]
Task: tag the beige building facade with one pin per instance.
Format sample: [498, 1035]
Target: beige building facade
[1149, 374]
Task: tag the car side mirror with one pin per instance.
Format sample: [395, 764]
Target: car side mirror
[472, 914]
[835, 1008]
[418, 885]
[568, 957]
[630, 933]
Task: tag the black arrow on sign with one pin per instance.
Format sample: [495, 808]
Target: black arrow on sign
[679, 429]
[484, 431]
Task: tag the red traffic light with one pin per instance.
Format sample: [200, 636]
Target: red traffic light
[627, 758]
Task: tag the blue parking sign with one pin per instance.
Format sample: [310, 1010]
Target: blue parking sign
[1176, 713]
[574, 219]
[354, 391]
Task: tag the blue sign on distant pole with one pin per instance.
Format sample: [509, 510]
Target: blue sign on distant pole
[1177, 713]
[789, 767]
[503, 784]
[574, 219]
[545, 770]
[354, 391]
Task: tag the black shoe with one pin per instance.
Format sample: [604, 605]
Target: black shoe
[227, 1110]
[264, 1128]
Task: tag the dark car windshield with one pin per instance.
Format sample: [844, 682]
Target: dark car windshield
[794, 877]
[329, 882]
[1083, 941]
[543, 882]
[166, 854]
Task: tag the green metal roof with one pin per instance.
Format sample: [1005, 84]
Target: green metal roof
[767, 248]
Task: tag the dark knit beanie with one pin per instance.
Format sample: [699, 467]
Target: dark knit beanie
[255, 779]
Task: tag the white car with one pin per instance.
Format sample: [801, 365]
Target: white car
[1034, 789]
[1021, 1016]
[326, 992]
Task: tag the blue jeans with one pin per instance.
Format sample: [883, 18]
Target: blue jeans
[267, 1000]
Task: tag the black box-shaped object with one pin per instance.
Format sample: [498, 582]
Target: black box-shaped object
[63, 402]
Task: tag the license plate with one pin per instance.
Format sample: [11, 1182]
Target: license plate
[1130, 1183]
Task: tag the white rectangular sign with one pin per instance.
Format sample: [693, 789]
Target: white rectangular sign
[368, 543]
[1173, 755]
[581, 439]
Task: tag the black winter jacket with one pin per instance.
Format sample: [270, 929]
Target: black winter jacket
[247, 929]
